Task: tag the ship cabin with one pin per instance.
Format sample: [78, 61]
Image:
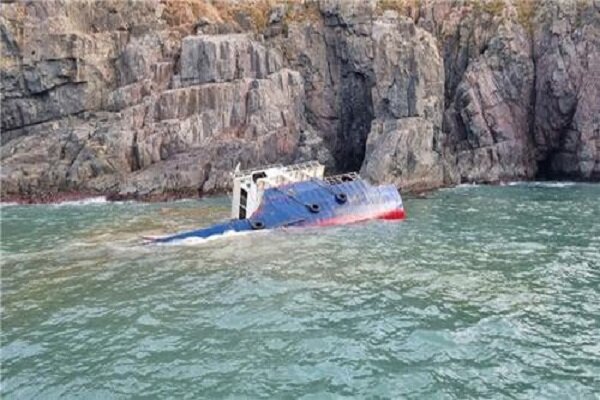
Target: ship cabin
[249, 185]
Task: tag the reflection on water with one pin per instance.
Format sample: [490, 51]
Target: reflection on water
[481, 292]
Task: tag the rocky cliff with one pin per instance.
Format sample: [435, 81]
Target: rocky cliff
[143, 98]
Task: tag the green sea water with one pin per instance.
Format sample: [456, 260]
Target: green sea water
[483, 292]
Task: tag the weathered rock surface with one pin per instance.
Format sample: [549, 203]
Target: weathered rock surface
[331, 46]
[401, 151]
[164, 96]
[408, 96]
[172, 113]
[222, 58]
[489, 116]
[567, 89]
[514, 74]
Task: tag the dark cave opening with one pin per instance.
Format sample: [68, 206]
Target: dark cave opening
[555, 167]
[356, 115]
[544, 168]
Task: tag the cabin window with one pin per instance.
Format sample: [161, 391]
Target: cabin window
[243, 203]
[257, 175]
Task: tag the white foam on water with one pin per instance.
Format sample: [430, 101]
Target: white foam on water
[555, 184]
[194, 241]
[549, 184]
[460, 186]
[82, 202]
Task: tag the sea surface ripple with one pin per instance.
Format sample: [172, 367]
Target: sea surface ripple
[483, 292]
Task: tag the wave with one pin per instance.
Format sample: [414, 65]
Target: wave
[546, 184]
[81, 202]
[194, 241]
[461, 186]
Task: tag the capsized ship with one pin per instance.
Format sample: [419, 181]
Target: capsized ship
[299, 195]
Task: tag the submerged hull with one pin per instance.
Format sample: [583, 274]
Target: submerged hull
[310, 203]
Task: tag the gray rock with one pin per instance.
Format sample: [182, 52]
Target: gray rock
[567, 90]
[277, 13]
[49, 74]
[409, 74]
[490, 115]
[127, 98]
[311, 147]
[334, 55]
[224, 58]
[408, 102]
[62, 101]
[402, 152]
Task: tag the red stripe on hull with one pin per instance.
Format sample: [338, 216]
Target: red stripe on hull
[396, 214]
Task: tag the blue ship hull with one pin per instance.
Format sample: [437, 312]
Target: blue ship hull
[310, 203]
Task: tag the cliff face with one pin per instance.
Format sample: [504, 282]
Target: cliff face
[147, 97]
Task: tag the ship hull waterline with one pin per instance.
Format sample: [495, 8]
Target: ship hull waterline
[308, 204]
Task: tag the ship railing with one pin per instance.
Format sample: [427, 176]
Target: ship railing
[288, 168]
[303, 166]
[249, 171]
[347, 177]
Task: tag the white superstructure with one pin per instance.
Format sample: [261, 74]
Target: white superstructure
[249, 185]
